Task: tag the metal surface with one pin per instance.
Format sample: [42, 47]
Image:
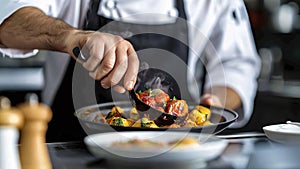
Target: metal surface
[221, 119]
[22, 74]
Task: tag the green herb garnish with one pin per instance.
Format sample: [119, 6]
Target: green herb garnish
[118, 122]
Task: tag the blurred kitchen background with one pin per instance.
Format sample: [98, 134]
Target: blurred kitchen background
[276, 29]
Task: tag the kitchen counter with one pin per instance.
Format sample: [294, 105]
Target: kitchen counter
[244, 151]
[22, 74]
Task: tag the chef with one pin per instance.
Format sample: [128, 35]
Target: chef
[207, 44]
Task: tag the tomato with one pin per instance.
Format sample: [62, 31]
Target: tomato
[149, 101]
[177, 108]
[162, 98]
[144, 94]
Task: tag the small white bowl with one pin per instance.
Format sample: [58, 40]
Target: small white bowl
[283, 133]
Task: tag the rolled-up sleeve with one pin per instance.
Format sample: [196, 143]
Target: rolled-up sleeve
[235, 62]
[7, 8]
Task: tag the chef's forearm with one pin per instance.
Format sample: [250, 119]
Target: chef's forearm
[30, 28]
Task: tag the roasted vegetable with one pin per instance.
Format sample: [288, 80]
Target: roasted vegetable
[133, 114]
[161, 97]
[190, 123]
[146, 123]
[119, 121]
[204, 110]
[177, 108]
[137, 123]
[154, 98]
[117, 109]
[158, 99]
[197, 117]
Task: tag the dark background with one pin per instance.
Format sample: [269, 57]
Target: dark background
[277, 40]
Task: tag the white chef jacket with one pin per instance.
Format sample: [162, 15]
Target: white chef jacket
[223, 24]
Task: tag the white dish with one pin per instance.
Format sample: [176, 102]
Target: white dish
[210, 147]
[283, 133]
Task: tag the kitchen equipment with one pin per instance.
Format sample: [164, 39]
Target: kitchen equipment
[11, 121]
[33, 150]
[293, 123]
[154, 79]
[209, 147]
[221, 119]
[283, 133]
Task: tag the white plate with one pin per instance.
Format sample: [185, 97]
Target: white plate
[100, 145]
[283, 133]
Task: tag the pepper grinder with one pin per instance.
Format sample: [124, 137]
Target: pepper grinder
[11, 120]
[33, 150]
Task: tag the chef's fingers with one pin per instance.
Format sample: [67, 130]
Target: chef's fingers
[121, 65]
[95, 55]
[105, 67]
[132, 70]
[119, 89]
[119, 69]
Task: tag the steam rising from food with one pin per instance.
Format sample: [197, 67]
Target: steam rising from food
[157, 79]
[157, 82]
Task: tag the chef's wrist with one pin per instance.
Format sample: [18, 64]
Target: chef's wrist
[221, 96]
[76, 38]
[212, 100]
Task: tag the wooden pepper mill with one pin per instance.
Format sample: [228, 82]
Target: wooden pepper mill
[33, 150]
[11, 120]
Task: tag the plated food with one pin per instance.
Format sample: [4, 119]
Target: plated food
[188, 142]
[187, 116]
[155, 147]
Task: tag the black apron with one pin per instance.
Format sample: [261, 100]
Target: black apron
[156, 45]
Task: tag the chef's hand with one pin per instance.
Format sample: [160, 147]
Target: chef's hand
[211, 100]
[222, 96]
[111, 59]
